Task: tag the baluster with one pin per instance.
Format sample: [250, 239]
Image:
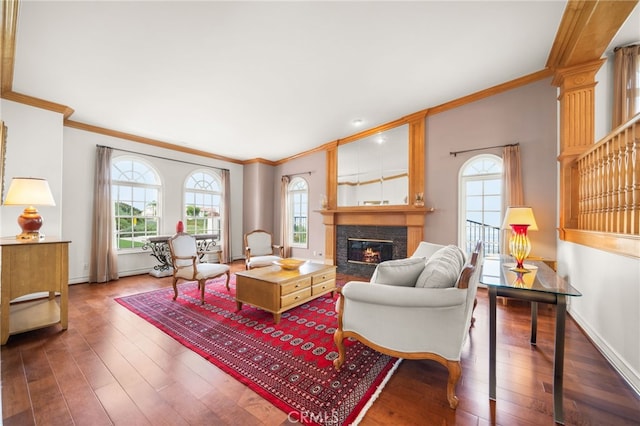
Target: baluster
[608, 186]
[591, 211]
[614, 201]
[600, 189]
[633, 184]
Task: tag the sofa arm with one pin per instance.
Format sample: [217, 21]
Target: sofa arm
[387, 295]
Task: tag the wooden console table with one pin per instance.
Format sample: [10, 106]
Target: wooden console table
[29, 267]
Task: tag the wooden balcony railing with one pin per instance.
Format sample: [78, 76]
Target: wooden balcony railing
[608, 187]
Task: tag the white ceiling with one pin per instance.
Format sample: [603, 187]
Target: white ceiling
[270, 79]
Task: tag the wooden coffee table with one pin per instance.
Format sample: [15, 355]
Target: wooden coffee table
[277, 290]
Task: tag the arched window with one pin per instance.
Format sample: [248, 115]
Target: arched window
[480, 203]
[202, 203]
[136, 197]
[298, 198]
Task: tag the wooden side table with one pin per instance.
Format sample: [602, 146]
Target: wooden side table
[28, 267]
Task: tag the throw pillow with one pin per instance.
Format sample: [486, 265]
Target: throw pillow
[399, 272]
[442, 269]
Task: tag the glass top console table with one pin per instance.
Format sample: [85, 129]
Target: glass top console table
[540, 284]
[206, 243]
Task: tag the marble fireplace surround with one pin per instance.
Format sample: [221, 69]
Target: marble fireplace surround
[410, 217]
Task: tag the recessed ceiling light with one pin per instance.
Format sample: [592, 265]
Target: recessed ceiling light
[357, 122]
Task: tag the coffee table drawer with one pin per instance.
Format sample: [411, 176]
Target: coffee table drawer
[323, 287]
[292, 298]
[295, 285]
[325, 276]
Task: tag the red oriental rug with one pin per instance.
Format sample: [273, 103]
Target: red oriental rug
[289, 364]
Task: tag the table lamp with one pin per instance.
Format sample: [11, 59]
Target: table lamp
[519, 219]
[30, 192]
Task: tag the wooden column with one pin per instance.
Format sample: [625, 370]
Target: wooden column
[577, 111]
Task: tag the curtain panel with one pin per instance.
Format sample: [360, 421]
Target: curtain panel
[626, 87]
[225, 224]
[512, 191]
[103, 264]
[284, 215]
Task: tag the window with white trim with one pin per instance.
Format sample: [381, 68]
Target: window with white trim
[202, 203]
[298, 199]
[480, 207]
[135, 192]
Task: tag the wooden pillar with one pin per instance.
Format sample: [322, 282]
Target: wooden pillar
[577, 112]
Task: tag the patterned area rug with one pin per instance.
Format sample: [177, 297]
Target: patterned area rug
[289, 364]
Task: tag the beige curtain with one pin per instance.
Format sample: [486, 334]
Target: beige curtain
[626, 87]
[103, 264]
[512, 193]
[284, 214]
[225, 223]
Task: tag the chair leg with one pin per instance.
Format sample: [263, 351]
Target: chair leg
[473, 319]
[228, 278]
[338, 340]
[175, 288]
[201, 284]
[454, 375]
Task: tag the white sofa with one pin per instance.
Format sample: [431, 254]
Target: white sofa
[415, 308]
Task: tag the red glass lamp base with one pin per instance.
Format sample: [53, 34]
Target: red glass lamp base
[520, 246]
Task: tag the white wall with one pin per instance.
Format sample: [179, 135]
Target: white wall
[79, 159]
[609, 309]
[34, 149]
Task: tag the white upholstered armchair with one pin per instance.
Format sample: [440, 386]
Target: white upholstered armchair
[259, 249]
[185, 260]
[415, 308]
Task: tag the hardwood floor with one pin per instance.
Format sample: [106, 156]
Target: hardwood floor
[112, 367]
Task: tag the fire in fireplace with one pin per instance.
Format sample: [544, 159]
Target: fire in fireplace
[368, 251]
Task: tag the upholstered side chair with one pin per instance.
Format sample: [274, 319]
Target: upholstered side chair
[259, 249]
[186, 264]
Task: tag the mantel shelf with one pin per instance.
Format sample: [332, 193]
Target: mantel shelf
[377, 210]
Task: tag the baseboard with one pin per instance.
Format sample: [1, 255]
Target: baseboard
[617, 362]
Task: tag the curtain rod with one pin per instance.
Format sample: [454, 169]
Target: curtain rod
[632, 44]
[298, 174]
[161, 158]
[455, 153]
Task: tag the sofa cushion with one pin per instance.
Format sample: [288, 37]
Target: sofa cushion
[442, 269]
[399, 272]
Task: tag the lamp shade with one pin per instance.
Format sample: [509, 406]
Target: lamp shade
[519, 215]
[27, 191]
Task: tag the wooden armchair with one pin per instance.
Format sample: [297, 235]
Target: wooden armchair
[185, 260]
[259, 249]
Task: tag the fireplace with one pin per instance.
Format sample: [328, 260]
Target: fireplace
[384, 242]
[369, 251]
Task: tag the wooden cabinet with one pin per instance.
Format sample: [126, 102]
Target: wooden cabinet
[29, 267]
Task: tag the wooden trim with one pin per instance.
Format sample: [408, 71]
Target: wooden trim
[146, 141]
[8, 43]
[320, 148]
[586, 29]
[38, 103]
[260, 161]
[491, 91]
[623, 244]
